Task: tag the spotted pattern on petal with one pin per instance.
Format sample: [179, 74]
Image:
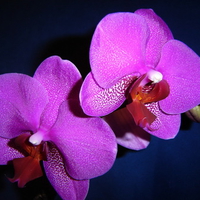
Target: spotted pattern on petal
[56, 165]
[114, 95]
[66, 187]
[154, 108]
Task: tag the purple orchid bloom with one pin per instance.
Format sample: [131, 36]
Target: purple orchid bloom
[41, 119]
[138, 65]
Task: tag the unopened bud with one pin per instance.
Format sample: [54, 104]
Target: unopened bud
[194, 114]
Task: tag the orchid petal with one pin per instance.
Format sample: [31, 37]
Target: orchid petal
[180, 68]
[169, 126]
[65, 186]
[128, 134]
[12, 122]
[118, 47]
[8, 153]
[96, 101]
[26, 97]
[159, 35]
[87, 144]
[58, 77]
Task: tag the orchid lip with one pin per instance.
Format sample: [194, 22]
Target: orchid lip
[150, 87]
[28, 167]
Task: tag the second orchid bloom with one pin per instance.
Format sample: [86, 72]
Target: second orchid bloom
[137, 65]
[41, 120]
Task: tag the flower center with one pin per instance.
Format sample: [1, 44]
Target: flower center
[28, 168]
[148, 88]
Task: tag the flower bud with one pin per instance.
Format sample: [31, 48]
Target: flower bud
[194, 114]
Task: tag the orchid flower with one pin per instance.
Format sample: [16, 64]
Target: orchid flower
[138, 66]
[41, 120]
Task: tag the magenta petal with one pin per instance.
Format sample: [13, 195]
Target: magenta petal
[118, 47]
[62, 80]
[66, 187]
[12, 122]
[26, 98]
[159, 35]
[169, 126]
[7, 152]
[180, 67]
[87, 144]
[96, 101]
[128, 134]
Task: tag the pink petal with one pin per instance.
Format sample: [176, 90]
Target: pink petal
[169, 126]
[8, 153]
[159, 35]
[62, 80]
[127, 132]
[22, 101]
[87, 144]
[96, 101]
[118, 47]
[12, 122]
[180, 68]
[66, 187]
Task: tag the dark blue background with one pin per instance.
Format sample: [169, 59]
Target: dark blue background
[31, 30]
